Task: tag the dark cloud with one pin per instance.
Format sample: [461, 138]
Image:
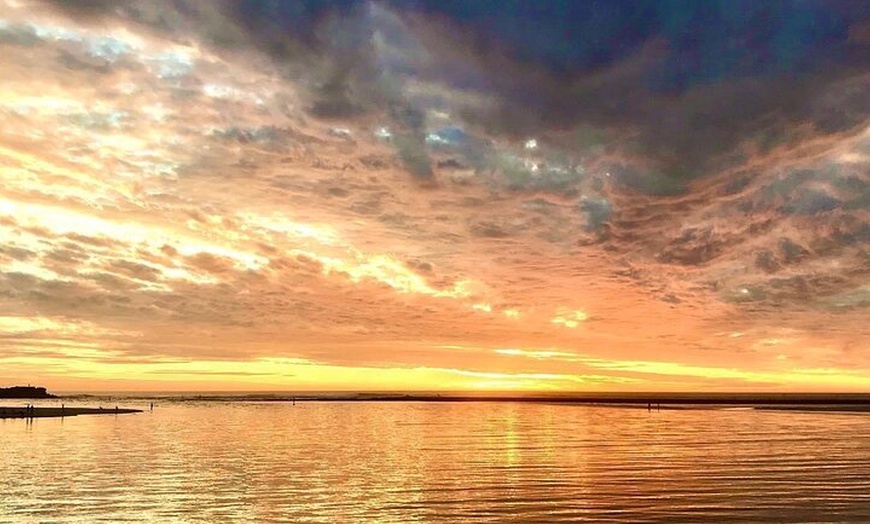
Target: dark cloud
[90, 8]
[66, 257]
[111, 281]
[13, 283]
[490, 229]
[16, 253]
[90, 240]
[597, 210]
[211, 263]
[679, 83]
[691, 74]
[693, 246]
[134, 269]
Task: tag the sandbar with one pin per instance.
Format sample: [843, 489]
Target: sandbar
[45, 412]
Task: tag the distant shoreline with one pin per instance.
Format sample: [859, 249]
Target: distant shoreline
[596, 398]
[802, 402]
[854, 402]
[806, 402]
[16, 392]
[603, 397]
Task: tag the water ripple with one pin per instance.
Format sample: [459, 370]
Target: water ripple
[402, 463]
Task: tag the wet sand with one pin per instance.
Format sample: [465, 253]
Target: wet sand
[45, 412]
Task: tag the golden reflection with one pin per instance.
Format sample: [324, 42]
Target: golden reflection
[511, 437]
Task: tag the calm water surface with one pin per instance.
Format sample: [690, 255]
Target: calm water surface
[435, 462]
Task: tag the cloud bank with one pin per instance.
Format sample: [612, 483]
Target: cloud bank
[360, 195]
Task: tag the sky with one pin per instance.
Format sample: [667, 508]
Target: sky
[435, 196]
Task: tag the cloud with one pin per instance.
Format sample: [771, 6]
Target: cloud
[197, 194]
[16, 253]
[134, 269]
[667, 76]
[652, 82]
[211, 263]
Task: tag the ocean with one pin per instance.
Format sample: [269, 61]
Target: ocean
[193, 461]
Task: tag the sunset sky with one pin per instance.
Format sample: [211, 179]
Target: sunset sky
[578, 196]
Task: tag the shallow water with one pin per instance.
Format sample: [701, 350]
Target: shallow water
[435, 462]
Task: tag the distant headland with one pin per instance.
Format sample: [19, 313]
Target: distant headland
[25, 392]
